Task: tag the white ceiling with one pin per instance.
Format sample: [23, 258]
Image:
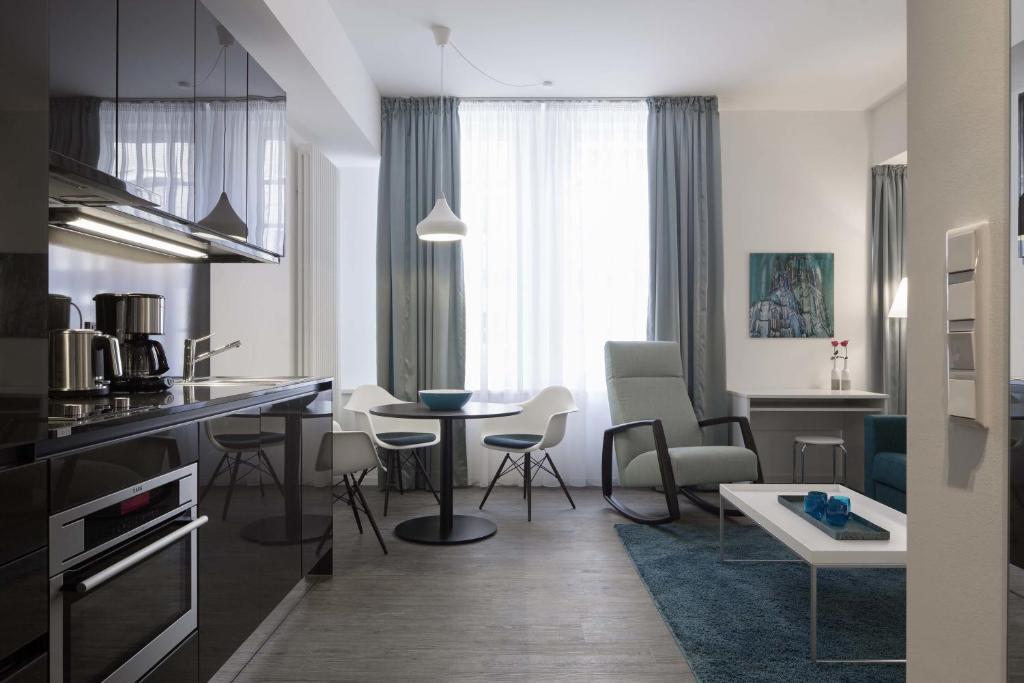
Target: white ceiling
[754, 54]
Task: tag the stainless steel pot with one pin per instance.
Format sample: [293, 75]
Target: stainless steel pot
[79, 359]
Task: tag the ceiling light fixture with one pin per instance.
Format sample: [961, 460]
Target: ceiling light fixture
[441, 224]
[131, 238]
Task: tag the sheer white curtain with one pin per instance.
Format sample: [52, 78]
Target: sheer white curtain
[177, 149]
[556, 261]
[155, 150]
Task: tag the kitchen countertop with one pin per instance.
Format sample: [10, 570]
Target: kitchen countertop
[178, 405]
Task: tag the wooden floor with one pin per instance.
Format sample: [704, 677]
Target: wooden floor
[557, 599]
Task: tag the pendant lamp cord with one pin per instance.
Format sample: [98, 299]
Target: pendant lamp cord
[493, 78]
[440, 159]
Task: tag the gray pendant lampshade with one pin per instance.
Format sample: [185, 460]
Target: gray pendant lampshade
[223, 219]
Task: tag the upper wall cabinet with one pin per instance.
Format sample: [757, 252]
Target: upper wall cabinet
[160, 95]
[155, 100]
[268, 161]
[83, 80]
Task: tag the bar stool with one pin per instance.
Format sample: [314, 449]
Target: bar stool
[836, 443]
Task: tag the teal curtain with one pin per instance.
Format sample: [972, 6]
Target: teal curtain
[421, 317]
[888, 336]
[685, 303]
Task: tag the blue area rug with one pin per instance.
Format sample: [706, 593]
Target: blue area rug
[751, 622]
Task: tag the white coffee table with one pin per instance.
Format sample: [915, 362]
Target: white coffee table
[760, 503]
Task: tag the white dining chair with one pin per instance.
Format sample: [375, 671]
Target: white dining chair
[349, 455]
[539, 427]
[397, 440]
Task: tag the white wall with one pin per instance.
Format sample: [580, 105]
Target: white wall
[795, 181]
[956, 474]
[358, 276]
[888, 127]
[256, 304]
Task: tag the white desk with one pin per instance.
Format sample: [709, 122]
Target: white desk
[778, 415]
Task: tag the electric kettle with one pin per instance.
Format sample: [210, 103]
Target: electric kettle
[80, 360]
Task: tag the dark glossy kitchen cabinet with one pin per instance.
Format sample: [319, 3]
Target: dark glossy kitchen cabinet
[23, 577]
[317, 478]
[90, 473]
[25, 600]
[35, 670]
[220, 114]
[280, 551]
[267, 160]
[23, 510]
[160, 95]
[268, 499]
[181, 666]
[231, 494]
[83, 80]
[156, 78]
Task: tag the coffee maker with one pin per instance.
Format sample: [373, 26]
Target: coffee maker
[132, 319]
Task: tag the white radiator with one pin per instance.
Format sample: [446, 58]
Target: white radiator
[318, 251]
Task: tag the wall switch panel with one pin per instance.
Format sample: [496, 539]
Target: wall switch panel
[963, 307]
[961, 351]
[960, 301]
[961, 251]
[962, 398]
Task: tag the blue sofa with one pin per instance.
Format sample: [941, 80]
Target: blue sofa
[885, 459]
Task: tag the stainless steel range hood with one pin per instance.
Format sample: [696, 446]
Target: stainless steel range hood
[90, 202]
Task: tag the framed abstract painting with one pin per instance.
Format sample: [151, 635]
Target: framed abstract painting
[792, 295]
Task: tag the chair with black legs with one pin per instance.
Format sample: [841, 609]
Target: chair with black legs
[397, 440]
[242, 454]
[540, 426]
[349, 455]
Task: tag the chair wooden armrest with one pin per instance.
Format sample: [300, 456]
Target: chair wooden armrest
[664, 464]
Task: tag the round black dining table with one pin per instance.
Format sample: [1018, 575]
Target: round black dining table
[446, 528]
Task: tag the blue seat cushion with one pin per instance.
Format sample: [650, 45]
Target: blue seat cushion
[249, 442]
[890, 469]
[405, 438]
[516, 441]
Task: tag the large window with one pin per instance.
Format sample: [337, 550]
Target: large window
[556, 263]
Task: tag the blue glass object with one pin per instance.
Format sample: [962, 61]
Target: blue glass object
[837, 510]
[814, 504]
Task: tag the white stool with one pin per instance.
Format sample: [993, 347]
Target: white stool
[835, 442]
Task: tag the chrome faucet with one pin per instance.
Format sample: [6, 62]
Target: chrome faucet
[191, 358]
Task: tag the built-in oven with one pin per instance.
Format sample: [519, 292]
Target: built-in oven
[123, 579]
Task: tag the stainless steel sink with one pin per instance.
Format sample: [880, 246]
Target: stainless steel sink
[238, 381]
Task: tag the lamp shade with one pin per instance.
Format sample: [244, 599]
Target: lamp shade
[899, 302]
[223, 219]
[441, 224]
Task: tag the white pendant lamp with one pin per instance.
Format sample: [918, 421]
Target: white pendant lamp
[441, 224]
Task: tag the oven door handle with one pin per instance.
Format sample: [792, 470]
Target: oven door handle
[101, 577]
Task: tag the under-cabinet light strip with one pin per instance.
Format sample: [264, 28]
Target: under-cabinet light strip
[134, 238]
